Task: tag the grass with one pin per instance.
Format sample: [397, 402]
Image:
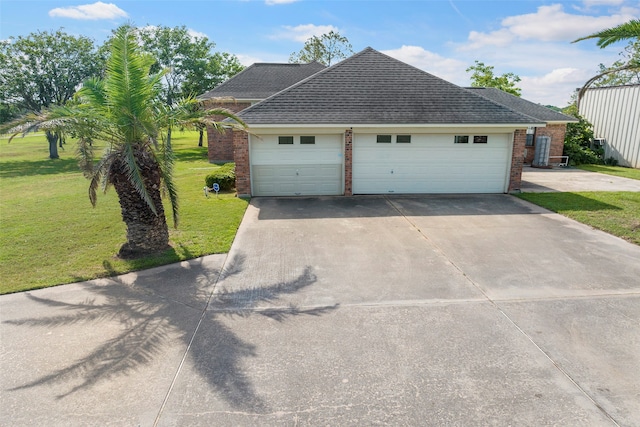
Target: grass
[612, 170]
[50, 234]
[617, 213]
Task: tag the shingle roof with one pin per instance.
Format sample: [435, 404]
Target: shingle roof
[260, 81]
[522, 105]
[373, 88]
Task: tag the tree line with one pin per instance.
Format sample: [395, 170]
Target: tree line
[46, 69]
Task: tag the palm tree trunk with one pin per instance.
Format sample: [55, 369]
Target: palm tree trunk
[147, 232]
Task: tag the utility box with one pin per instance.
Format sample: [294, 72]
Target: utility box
[541, 156]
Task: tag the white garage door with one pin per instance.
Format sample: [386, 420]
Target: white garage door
[283, 166]
[430, 163]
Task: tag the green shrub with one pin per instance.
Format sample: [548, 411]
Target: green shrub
[611, 161]
[577, 144]
[225, 177]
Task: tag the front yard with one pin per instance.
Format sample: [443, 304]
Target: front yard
[617, 213]
[50, 234]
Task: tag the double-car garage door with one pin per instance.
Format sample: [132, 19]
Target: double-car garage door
[382, 164]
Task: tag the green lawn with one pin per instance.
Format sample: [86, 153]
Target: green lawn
[50, 234]
[612, 170]
[617, 213]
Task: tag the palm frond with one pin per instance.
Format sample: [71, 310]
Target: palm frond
[625, 31]
[100, 175]
[135, 176]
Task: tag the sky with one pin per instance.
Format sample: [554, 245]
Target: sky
[530, 38]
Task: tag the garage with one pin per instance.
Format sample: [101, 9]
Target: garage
[460, 162]
[296, 165]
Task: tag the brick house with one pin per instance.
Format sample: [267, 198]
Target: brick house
[555, 123]
[374, 125]
[253, 84]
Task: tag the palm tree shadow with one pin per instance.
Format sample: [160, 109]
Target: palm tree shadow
[149, 320]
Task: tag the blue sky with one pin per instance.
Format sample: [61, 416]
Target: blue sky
[530, 38]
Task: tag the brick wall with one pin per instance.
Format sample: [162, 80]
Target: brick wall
[220, 144]
[517, 159]
[241, 156]
[557, 133]
[348, 162]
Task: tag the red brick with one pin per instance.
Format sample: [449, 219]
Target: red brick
[220, 144]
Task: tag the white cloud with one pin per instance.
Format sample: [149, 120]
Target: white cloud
[301, 33]
[452, 70]
[95, 11]
[548, 23]
[554, 87]
[274, 2]
[196, 34]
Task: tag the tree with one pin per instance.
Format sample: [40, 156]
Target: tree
[45, 69]
[126, 111]
[618, 74]
[192, 66]
[324, 49]
[627, 31]
[483, 76]
[207, 73]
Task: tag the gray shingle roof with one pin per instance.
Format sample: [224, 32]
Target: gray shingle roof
[522, 105]
[373, 88]
[260, 81]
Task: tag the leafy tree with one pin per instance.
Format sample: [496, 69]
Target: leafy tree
[45, 69]
[627, 31]
[631, 75]
[325, 49]
[192, 66]
[126, 111]
[483, 76]
[207, 73]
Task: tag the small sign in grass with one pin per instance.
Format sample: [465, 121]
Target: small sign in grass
[617, 213]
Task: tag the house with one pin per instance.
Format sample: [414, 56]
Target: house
[555, 123]
[615, 114]
[252, 85]
[374, 125]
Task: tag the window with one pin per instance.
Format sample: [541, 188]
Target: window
[285, 140]
[461, 139]
[403, 139]
[480, 139]
[384, 139]
[307, 140]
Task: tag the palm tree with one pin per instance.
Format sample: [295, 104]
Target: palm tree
[628, 30]
[126, 111]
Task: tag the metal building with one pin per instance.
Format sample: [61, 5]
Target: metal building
[615, 114]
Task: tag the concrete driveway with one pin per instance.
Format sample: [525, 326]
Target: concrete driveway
[431, 310]
[536, 180]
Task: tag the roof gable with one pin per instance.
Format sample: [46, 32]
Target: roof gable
[521, 105]
[373, 88]
[261, 80]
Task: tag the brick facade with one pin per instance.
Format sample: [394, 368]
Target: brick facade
[243, 169]
[517, 159]
[348, 162]
[220, 144]
[557, 133]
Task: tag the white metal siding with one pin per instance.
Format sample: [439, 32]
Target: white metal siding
[615, 115]
[297, 169]
[430, 164]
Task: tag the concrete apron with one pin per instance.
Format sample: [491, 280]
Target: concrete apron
[535, 180]
[433, 310]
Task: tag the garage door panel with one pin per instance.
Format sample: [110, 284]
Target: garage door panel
[430, 164]
[296, 169]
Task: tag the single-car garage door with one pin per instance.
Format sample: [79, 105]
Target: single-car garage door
[451, 163]
[296, 165]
